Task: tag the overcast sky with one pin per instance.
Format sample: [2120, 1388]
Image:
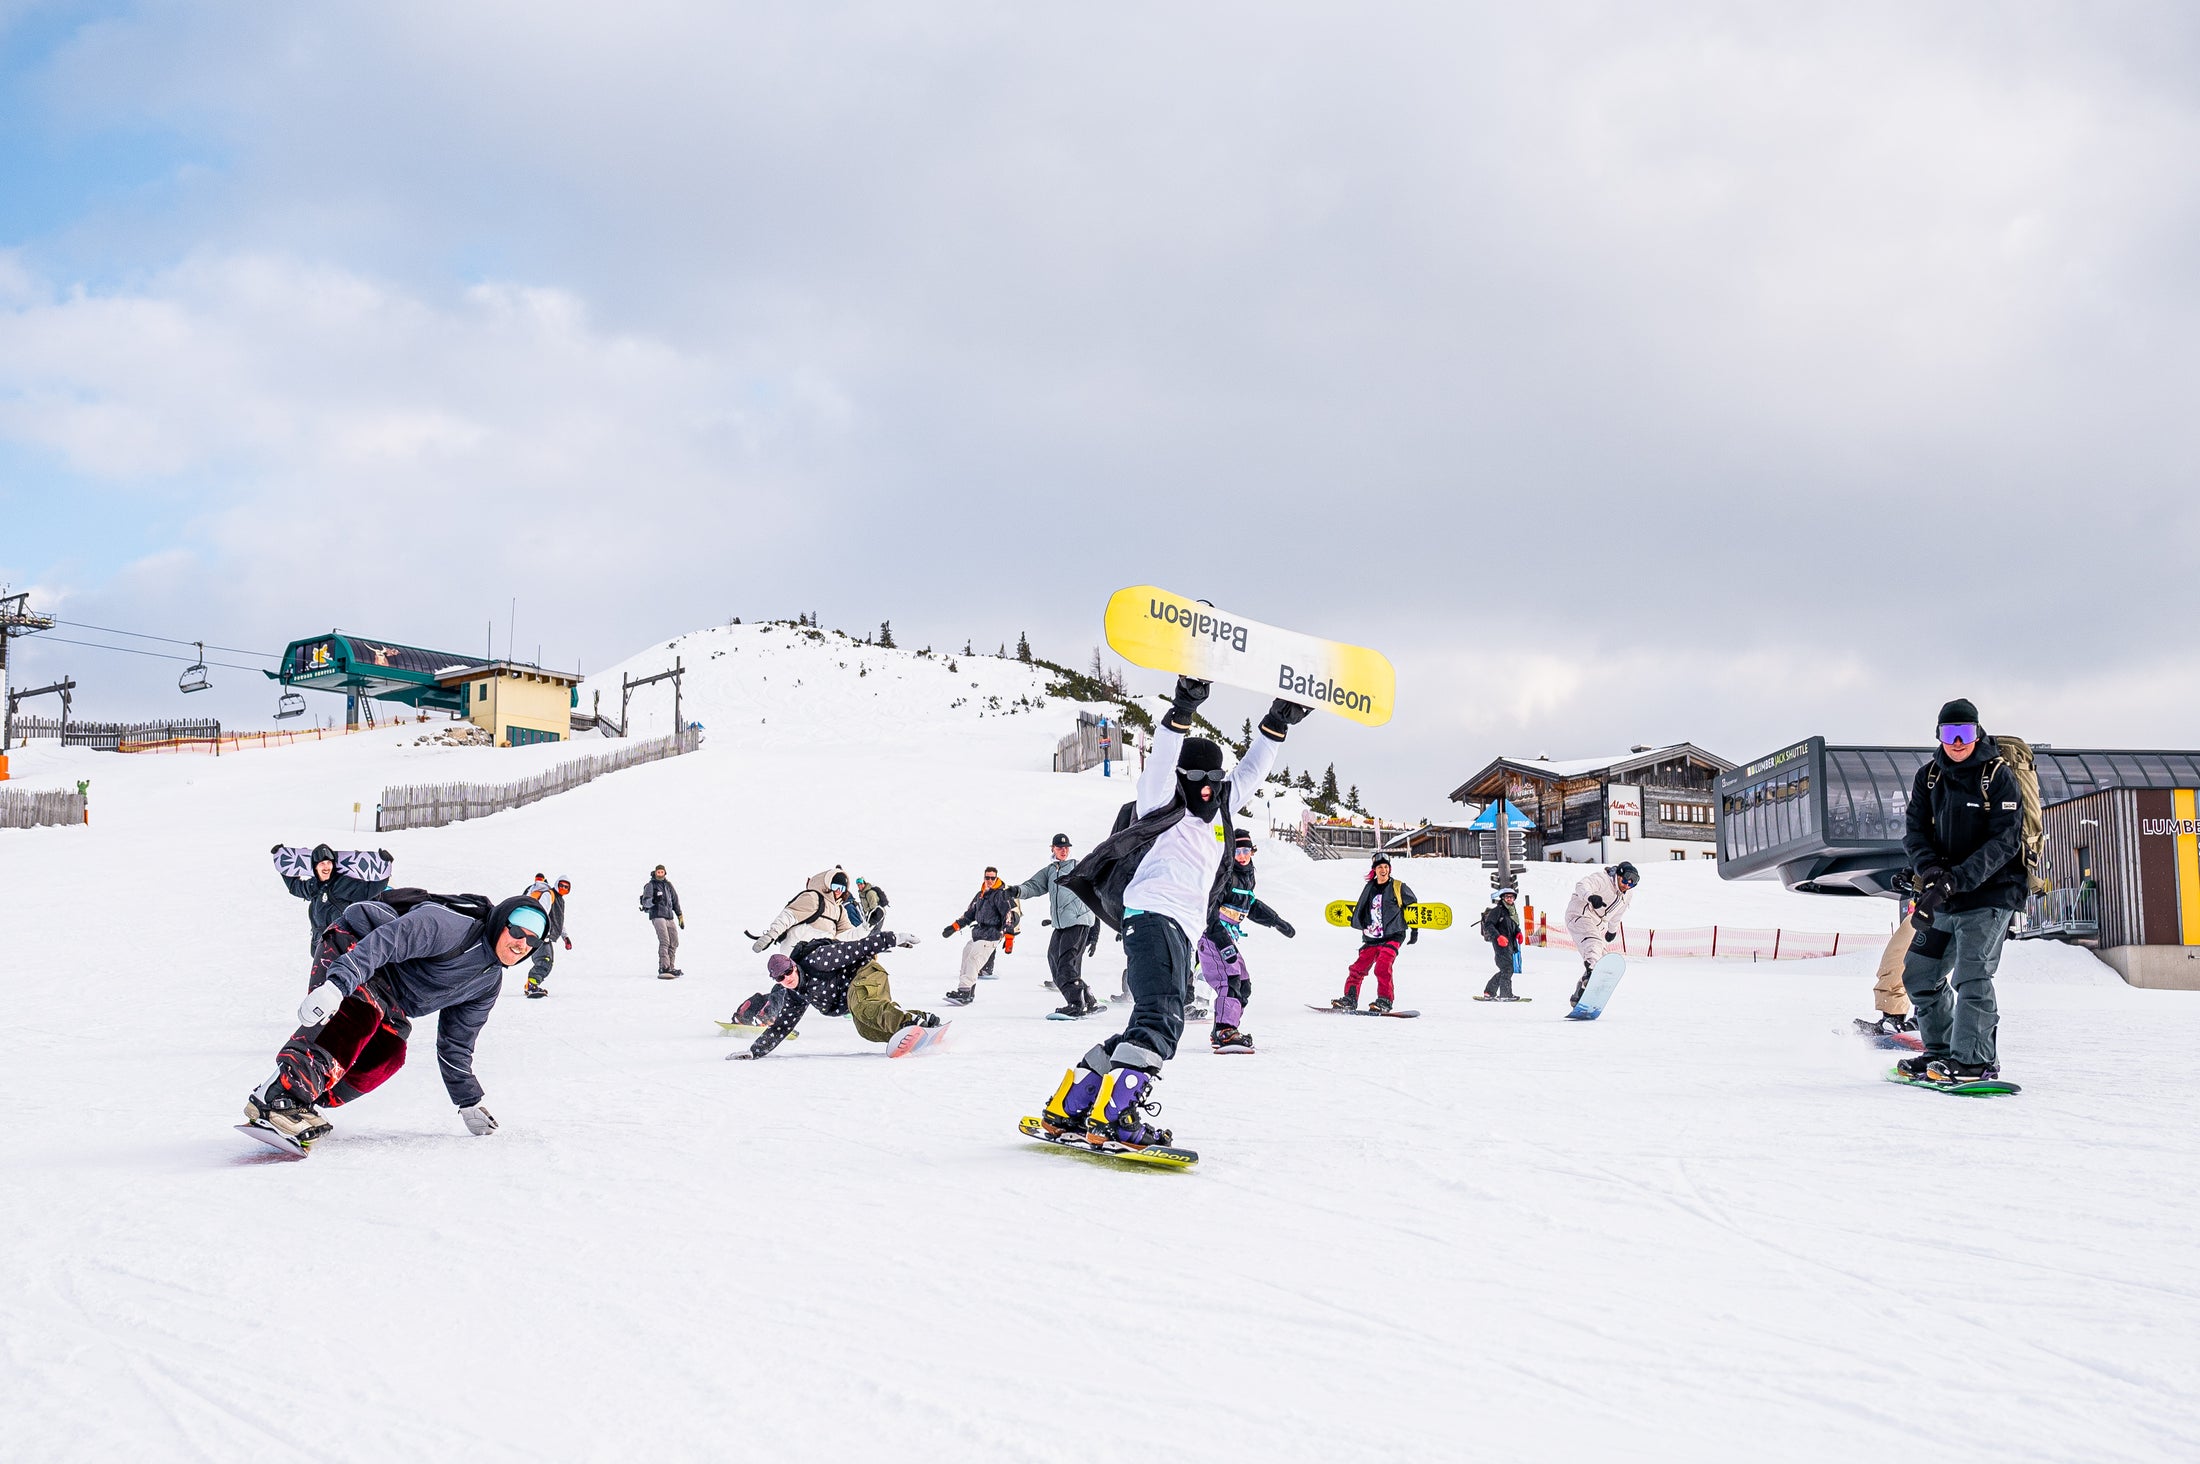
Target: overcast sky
[1627, 373]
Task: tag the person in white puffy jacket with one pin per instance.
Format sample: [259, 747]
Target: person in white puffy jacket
[1593, 914]
[821, 910]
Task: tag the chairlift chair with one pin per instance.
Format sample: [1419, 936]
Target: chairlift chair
[290, 704]
[194, 675]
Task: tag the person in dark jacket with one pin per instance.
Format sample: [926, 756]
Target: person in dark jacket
[661, 903]
[1965, 841]
[1501, 928]
[839, 978]
[329, 879]
[447, 958]
[1221, 963]
[1076, 930]
[1380, 917]
[987, 920]
[553, 902]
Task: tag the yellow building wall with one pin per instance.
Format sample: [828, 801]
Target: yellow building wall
[523, 699]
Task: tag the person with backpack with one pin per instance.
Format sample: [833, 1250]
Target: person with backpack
[1593, 915]
[405, 955]
[1501, 928]
[1158, 882]
[661, 904]
[839, 978]
[1380, 917]
[552, 899]
[819, 910]
[329, 879]
[1969, 838]
[987, 918]
[872, 900]
[1075, 930]
[1221, 962]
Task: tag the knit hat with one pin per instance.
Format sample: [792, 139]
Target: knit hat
[779, 966]
[839, 880]
[1959, 710]
[1244, 840]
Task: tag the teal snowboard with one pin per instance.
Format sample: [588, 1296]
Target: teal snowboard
[1994, 1088]
[1598, 994]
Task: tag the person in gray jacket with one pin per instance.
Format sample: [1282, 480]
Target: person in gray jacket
[1076, 931]
[444, 954]
[661, 903]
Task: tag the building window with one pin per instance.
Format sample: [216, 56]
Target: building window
[1619, 833]
[1680, 854]
[1685, 813]
[1709, 855]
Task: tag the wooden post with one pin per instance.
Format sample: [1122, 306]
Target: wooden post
[1776, 942]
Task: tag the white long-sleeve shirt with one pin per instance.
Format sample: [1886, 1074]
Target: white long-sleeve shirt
[1179, 868]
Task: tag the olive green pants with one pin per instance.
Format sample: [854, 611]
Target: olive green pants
[871, 1004]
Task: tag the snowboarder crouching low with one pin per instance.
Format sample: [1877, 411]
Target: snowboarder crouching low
[839, 978]
[1501, 928]
[1593, 915]
[1158, 881]
[1380, 917]
[447, 958]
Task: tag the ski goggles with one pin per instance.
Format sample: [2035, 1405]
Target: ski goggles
[1958, 734]
[565, 887]
[528, 923]
[1210, 775]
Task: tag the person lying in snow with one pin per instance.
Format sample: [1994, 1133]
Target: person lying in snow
[839, 978]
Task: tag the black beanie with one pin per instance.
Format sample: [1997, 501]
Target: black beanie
[1959, 710]
[1244, 840]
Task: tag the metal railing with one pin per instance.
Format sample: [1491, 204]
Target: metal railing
[23, 808]
[2059, 915]
[432, 805]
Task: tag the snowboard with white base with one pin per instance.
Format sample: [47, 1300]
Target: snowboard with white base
[910, 1041]
[1151, 627]
[1598, 994]
[274, 1139]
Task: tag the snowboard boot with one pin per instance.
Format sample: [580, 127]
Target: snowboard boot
[1885, 1025]
[534, 988]
[1067, 1110]
[911, 1017]
[1125, 1094]
[668, 975]
[1198, 1011]
[1948, 1070]
[1379, 1004]
[1915, 1067]
[273, 1108]
[1072, 1010]
[1581, 986]
[1232, 1039]
[1093, 1004]
[1349, 1002]
[960, 996]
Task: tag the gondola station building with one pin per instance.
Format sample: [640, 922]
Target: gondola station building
[517, 703]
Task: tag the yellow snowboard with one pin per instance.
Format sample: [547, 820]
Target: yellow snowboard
[1428, 916]
[1153, 628]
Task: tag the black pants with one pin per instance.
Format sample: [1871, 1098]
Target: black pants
[1159, 966]
[1066, 962]
[544, 955]
[1502, 983]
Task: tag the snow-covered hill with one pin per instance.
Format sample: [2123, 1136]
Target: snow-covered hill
[1699, 1229]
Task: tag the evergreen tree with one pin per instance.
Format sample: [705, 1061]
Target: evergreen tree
[1352, 799]
[886, 635]
[1003, 651]
[1305, 784]
[966, 647]
[1329, 793]
[1023, 648]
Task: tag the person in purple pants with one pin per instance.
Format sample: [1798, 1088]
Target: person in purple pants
[1220, 962]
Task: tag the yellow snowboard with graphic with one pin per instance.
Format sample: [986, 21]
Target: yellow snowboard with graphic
[1148, 626]
[1426, 916]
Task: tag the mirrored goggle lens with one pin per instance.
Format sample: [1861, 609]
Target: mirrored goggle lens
[1217, 776]
[1953, 734]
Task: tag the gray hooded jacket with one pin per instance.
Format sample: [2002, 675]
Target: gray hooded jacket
[1063, 907]
[432, 959]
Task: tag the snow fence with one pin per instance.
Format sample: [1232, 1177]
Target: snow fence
[1729, 942]
[20, 808]
[431, 805]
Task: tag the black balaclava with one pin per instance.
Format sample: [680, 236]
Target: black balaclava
[1200, 755]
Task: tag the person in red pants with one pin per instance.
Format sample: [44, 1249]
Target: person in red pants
[444, 954]
[1380, 917]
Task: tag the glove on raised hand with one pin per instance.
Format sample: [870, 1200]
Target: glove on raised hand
[479, 1121]
[1190, 692]
[762, 942]
[320, 1004]
[1282, 716]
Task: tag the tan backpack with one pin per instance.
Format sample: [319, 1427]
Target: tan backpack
[2016, 754]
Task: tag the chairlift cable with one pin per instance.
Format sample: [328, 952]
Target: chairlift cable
[141, 635]
[133, 651]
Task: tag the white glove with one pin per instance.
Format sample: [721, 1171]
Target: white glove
[479, 1121]
[904, 941]
[320, 1004]
[763, 942]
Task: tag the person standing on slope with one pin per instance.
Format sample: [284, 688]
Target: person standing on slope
[1075, 930]
[552, 900]
[661, 904]
[871, 899]
[440, 957]
[1888, 997]
[328, 880]
[1593, 915]
[1158, 881]
[1380, 917]
[1501, 928]
[1221, 964]
[987, 918]
[1965, 839]
[839, 978]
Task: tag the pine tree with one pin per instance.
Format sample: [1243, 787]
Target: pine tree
[966, 647]
[1245, 737]
[1352, 799]
[1023, 648]
[1305, 784]
[1002, 653]
[1329, 792]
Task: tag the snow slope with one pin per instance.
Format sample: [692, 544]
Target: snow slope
[1699, 1229]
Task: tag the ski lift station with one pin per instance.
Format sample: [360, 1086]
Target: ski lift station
[518, 703]
[2122, 842]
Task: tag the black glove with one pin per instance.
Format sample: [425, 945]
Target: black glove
[1282, 717]
[1285, 929]
[1413, 936]
[1928, 873]
[1046, 922]
[276, 850]
[1596, 902]
[1092, 943]
[1190, 692]
[387, 856]
[949, 933]
[1934, 898]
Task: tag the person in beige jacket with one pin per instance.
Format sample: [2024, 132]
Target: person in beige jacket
[1889, 998]
[818, 911]
[1593, 914]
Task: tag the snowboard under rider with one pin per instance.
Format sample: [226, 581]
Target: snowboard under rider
[1380, 917]
[986, 917]
[329, 879]
[1501, 928]
[552, 899]
[1593, 915]
[447, 958]
[1221, 960]
[661, 905]
[1076, 930]
[1158, 881]
[1965, 839]
[839, 978]
[1889, 1000]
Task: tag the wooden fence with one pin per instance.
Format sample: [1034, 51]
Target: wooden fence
[110, 736]
[432, 805]
[20, 808]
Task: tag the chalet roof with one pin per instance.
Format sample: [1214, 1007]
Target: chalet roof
[1608, 768]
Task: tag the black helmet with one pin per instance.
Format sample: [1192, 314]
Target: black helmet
[1626, 874]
